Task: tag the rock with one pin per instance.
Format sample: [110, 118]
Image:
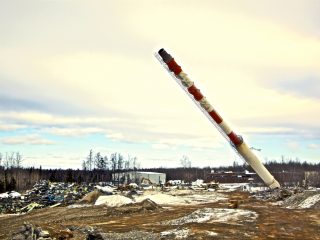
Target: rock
[65, 234]
[90, 197]
[95, 235]
[22, 229]
[44, 234]
[37, 231]
[18, 237]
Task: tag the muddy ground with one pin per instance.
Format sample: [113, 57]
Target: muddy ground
[272, 222]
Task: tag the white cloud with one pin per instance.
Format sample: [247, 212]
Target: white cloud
[10, 127]
[160, 146]
[73, 132]
[293, 145]
[32, 139]
[314, 146]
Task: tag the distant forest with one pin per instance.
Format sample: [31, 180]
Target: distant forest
[98, 168]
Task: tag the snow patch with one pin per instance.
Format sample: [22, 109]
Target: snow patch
[168, 199]
[215, 215]
[113, 200]
[310, 201]
[177, 233]
[160, 198]
[12, 194]
[211, 234]
[106, 189]
[79, 206]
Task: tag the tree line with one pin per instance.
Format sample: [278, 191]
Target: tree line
[97, 167]
[116, 161]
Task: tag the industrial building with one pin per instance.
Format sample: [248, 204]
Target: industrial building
[154, 178]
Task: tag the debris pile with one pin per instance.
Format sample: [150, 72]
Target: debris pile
[9, 202]
[276, 194]
[28, 231]
[43, 194]
[47, 194]
[307, 199]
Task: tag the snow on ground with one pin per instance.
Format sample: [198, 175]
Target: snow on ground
[204, 198]
[183, 198]
[231, 187]
[79, 206]
[162, 199]
[310, 201]
[211, 234]
[177, 233]
[106, 189]
[113, 200]
[215, 215]
[12, 194]
[4, 195]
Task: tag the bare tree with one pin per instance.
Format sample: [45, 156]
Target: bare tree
[90, 160]
[135, 163]
[185, 162]
[84, 165]
[113, 159]
[127, 162]
[96, 160]
[120, 161]
[6, 162]
[18, 160]
[106, 162]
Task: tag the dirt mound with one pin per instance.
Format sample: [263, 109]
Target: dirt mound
[148, 204]
[144, 206]
[90, 198]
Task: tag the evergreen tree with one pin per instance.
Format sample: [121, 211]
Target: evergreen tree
[12, 184]
[2, 187]
[69, 177]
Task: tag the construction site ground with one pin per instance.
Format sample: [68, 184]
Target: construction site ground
[272, 222]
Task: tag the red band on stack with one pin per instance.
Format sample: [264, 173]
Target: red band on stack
[195, 92]
[215, 116]
[234, 138]
[174, 67]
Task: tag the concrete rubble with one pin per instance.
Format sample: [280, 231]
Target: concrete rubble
[29, 231]
[292, 198]
[306, 199]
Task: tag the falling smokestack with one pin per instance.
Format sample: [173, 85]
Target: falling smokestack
[236, 140]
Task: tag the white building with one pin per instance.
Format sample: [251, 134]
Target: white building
[140, 177]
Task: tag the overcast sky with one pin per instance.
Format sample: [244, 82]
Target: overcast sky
[79, 75]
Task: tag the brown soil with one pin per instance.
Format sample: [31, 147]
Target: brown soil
[273, 222]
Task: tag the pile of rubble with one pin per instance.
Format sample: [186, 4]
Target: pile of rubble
[277, 194]
[28, 231]
[291, 197]
[306, 199]
[44, 194]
